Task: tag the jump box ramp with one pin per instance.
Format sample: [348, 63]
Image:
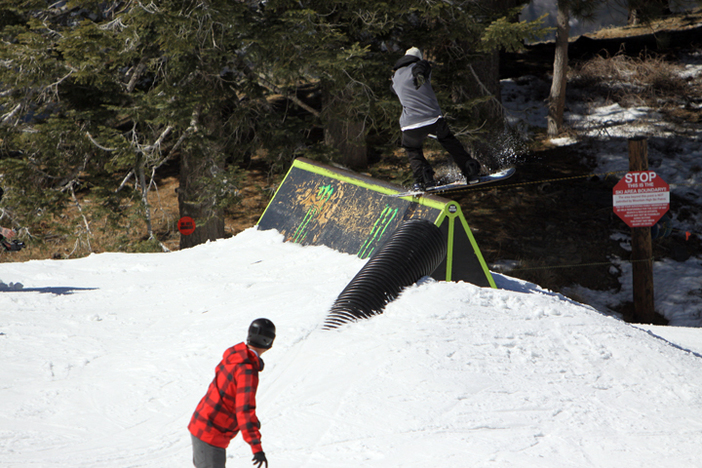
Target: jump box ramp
[318, 204]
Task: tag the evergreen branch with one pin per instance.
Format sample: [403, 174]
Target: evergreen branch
[68, 182]
[58, 82]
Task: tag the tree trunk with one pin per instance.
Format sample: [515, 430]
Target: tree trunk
[486, 82]
[641, 248]
[343, 132]
[209, 220]
[557, 96]
[349, 138]
[633, 19]
[144, 189]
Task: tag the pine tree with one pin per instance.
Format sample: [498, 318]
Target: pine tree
[95, 97]
[123, 89]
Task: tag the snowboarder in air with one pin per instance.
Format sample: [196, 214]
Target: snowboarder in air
[229, 406]
[421, 117]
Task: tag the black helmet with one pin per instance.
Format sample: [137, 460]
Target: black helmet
[261, 334]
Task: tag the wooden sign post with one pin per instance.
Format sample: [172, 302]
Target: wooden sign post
[641, 249]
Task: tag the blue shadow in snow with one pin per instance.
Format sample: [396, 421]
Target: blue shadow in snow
[58, 290]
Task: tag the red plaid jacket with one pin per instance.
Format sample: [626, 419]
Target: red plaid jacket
[229, 406]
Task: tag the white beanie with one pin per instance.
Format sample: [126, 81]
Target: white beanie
[414, 51]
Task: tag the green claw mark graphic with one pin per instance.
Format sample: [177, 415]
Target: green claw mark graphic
[379, 227]
[324, 193]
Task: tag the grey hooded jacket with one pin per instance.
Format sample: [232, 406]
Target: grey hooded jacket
[419, 105]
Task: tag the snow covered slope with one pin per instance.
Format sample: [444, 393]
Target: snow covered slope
[103, 360]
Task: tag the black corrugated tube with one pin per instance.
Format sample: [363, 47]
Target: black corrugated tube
[415, 250]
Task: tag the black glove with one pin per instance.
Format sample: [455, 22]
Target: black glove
[14, 246]
[420, 73]
[259, 460]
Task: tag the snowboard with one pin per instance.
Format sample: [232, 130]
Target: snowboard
[482, 180]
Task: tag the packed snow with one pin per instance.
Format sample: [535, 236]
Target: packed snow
[105, 358]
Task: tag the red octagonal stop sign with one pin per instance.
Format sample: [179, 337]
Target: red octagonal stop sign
[186, 225]
[641, 198]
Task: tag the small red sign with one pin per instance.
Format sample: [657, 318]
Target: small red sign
[186, 225]
[641, 198]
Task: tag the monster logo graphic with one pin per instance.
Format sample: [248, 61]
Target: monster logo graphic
[323, 195]
[379, 227]
[352, 213]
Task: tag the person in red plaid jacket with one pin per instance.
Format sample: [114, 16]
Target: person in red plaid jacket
[229, 406]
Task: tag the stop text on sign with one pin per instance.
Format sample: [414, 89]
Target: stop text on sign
[646, 177]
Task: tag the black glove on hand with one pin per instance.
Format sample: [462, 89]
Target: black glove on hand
[16, 246]
[259, 460]
[420, 73]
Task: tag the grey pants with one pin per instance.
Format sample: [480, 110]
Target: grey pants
[206, 455]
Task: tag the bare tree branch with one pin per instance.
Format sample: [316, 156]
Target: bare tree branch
[92, 140]
[263, 81]
[10, 115]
